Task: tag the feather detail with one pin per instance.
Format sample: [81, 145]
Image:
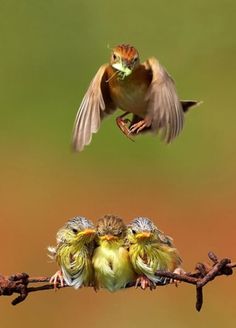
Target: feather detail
[147, 259]
[164, 107]
[112, 267]
[76, 264]
[52, 252]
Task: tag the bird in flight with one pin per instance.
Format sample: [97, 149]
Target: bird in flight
[145, 90]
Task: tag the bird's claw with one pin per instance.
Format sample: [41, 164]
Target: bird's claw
[122, 124]
[144, 283]
[139, 126]
[57, 280]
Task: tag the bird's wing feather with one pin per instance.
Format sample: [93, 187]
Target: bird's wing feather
[93, 108]
[164, 238]
[164, 107]
[148, 271]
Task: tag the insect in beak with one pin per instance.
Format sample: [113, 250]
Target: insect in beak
[123, 68]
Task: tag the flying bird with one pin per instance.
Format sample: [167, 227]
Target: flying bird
[113, 270]
[151, 250]
[145, 90]
[73, 253]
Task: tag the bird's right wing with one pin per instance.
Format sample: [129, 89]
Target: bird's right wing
[94, 106]
[164, 107]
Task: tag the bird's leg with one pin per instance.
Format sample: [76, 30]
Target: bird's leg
[95, 288]
[144, 282]
[57, 278]
[139, 126]
[95, 285]
[122, 124]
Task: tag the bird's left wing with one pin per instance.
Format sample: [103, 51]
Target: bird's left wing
[164, 107]
[95, 105]
[165, 239]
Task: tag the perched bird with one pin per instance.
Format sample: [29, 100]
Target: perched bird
[111, 262]
[73, 253]
[151, 250]
[146, 90]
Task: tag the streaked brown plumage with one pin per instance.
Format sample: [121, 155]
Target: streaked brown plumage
[146, 90]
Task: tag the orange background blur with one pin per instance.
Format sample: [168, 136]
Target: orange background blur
[49, 52]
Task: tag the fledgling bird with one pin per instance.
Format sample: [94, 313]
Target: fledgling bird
[73, 253]
[112, 267]
[145, 90]
[151, 250]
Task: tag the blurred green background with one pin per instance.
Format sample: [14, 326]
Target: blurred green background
[49, 52]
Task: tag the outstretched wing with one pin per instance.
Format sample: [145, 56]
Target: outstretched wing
[164, 107]
[95, 105]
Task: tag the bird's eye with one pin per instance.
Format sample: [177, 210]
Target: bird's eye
[133, 231]
[135, 59]
[114, 56]
[74, 230]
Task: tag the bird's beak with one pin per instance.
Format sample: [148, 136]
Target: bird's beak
[123, 66]
[143, 235]
[109, 237]
[88, 232]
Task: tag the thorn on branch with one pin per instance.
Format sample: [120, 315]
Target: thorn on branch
[213, 257]
[199, 296]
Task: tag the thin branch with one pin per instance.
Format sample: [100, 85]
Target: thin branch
[20, 283]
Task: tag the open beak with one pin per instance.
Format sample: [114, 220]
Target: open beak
[143, 235]
[109, 237]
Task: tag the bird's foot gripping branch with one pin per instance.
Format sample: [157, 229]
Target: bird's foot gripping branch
[22, 284]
